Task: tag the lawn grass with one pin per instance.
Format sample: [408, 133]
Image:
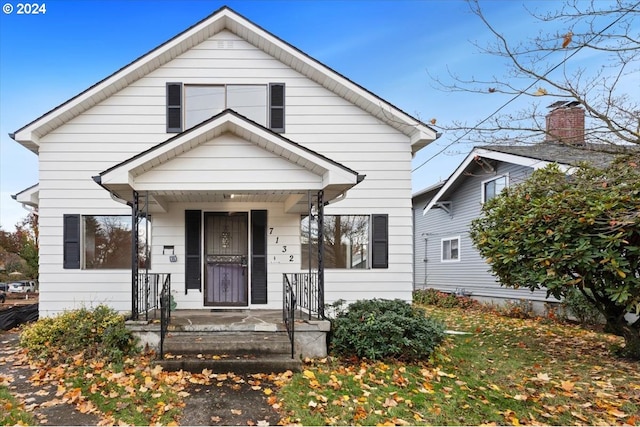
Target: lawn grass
[504, 371]
[11, 412]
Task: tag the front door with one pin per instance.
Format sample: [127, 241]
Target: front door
[226, 255]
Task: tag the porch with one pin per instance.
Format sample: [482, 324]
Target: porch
[237, 340]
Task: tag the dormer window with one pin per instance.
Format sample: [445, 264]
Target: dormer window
[188, 105]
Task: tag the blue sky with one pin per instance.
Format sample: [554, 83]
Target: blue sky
[389, 47]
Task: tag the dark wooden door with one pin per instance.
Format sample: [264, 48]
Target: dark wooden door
[226, 255]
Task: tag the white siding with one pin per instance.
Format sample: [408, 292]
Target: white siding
[133, 120]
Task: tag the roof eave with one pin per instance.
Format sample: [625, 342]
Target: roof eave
[227, 19]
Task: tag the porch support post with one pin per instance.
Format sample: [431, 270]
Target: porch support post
[134, 256]
[321, 254]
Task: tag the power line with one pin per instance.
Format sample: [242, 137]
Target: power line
[598, 34]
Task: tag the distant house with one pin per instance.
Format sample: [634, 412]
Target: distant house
[229, 161]
[444, 256]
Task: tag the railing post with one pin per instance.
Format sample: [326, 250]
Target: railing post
[165, 311]
[321, 254]
[134, 257]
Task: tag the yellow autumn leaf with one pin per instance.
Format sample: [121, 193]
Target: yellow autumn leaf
[567, 385]
[308, 374]
[616, 413]
[267, 391]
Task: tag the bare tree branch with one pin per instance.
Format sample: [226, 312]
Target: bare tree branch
[543, 69]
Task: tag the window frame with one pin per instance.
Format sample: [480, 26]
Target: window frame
[483, 186]
[304, 253]
[224, 88]
[75, 257]
[442, 250]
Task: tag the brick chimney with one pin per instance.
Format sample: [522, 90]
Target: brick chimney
[565, 123]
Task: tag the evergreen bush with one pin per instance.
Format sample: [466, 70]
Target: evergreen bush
[385, 329]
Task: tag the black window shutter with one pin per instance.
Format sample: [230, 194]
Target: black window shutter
[259, 257]
[174, 107]
[380, 236]
[71, 239]
[276, 107]
[192, 228]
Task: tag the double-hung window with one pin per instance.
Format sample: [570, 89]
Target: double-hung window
[493, 187]
[450, 249]
[191, 104]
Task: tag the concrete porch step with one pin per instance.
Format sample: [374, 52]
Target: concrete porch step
[240, 364]
[227, 343]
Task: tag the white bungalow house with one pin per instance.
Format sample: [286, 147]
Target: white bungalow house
[213, 150]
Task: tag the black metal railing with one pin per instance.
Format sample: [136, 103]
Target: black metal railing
[309, 297]
[149, 294]
[165, 310]
[289, 310]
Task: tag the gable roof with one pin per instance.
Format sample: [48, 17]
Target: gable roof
[226, 19]
[535, 156]
[566, 154]
[332, 177]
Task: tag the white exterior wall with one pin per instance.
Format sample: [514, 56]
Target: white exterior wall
[134, 120]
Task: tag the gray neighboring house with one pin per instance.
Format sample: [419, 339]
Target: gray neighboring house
[444, 256]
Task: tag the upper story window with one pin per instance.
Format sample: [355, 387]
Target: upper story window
[493, 187]
[189, 105]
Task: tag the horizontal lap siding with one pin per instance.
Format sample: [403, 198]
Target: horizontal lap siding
[471, 273]
[134, 120]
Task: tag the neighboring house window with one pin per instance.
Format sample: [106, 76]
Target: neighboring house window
[103, 241]
[346, 241]
[193, 104]
[451, 249]
[493, 187]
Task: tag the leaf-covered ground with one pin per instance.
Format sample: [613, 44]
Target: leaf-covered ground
[502, 372]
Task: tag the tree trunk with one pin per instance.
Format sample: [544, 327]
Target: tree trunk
[631, 337]
[617, 324]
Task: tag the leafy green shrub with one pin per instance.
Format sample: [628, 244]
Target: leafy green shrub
[379, 329]
[99, 332]
[441, 299]
[575, 305]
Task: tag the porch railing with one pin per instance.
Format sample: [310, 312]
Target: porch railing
[165, 310]
[149, 294]
[303, 295]
[310, 300]
[289, 310]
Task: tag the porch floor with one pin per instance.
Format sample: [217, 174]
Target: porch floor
[225, 320]
[230, 320]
